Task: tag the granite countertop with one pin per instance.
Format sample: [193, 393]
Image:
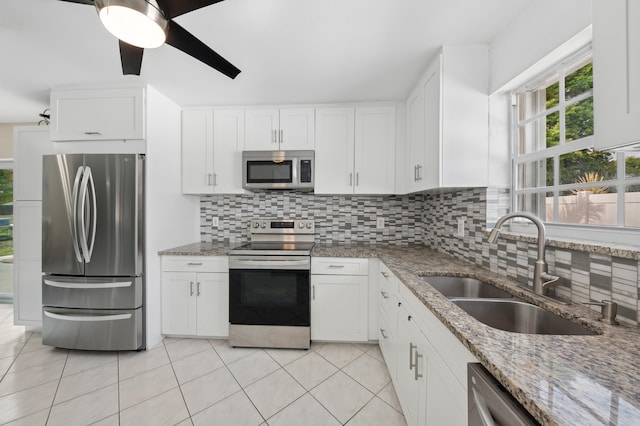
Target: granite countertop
[561, 380]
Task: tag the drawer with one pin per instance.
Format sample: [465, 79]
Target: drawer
[339, 266]
[388, 281]
[195, 263]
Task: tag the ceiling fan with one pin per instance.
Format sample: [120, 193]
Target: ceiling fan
[140, 24]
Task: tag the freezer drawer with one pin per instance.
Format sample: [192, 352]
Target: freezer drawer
[89, 329]
[92, 293]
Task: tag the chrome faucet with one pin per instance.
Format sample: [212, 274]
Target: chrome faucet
[541, 279]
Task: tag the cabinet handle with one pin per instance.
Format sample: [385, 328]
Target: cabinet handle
[92, 133]
[198, 289]
[281, 136]
[415, 173]
[194, 263]
[419, 172]
[350, 179]
[215, 179]
[399, 304]
[384, 274]
[357, 178]
[190, 288]
[417, 375]
[274, 136]
[313, 292]
[384, 294]
[209, 179]
[384, 336]
[411, 348]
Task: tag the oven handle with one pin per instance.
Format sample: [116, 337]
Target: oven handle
[269, 263]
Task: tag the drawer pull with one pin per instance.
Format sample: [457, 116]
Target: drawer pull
[194, 263]
[336, 266]
[384, 335]
[384, 294]
[384, 274]
[411, 348]
[417, 375]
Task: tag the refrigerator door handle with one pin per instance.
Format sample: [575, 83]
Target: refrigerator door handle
[94, 213]
[74, 201]
[62, 284]
[86, 318]
[87, 181]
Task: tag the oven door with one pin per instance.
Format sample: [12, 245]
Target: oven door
[269, 290]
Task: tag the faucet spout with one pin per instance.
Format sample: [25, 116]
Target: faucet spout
[541, 279]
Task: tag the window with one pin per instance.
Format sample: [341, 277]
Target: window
[557, 175]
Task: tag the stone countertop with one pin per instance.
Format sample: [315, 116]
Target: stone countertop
[561, 380]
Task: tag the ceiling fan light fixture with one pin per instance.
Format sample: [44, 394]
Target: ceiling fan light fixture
[136, 22]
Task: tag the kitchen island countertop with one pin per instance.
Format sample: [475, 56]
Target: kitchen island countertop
[560, 380]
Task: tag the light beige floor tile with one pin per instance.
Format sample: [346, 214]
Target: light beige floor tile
[109, 421]
[365, 347]
[36, 419]
[251, 368]
[8, 330]
[229, 354]
[194, 366]
[307, 408]
[286, 356]
[79, 361]
[11, 349]
[87, 381]
[205, 391]
[274, 392]
[30, 377]
[185, 422]
[310, 370]
[86, 409]
[39, 357]
[165, 409]
[369, 372]
[379, 413]
[339, 354]
[26, 402]
[235, 410]
[341, 395]
[388, 394]
[146, 385]
[186, 347]
[5, 364]
[172, 340]
[376, 353]
[34, 343]
[218, 342]
[134, 363]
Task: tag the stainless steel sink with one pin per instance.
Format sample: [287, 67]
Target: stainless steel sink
[465, 287]
[519, 317]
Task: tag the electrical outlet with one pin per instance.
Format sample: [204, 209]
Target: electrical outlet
[215, 222]
[461, 227]
[380, 222]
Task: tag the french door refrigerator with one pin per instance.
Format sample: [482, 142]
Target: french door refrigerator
[93, 251]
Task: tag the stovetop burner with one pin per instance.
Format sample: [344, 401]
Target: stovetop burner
[274, 248]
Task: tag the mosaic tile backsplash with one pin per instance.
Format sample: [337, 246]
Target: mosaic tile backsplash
[432, 220]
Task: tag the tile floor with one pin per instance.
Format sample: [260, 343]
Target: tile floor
[192, 381]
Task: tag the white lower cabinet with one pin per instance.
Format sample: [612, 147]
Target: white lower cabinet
[339, 299]
[195, 303]
[427, 363]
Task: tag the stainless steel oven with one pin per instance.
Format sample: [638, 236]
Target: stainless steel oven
[269, 286]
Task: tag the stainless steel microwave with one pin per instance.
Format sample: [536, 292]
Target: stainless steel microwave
[278, 170]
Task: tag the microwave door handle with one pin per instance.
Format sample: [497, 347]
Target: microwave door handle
[74, 208]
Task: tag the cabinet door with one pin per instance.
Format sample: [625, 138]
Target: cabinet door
[334, 151]
[374, 166]
[415, 135]
[411, 368]
[97, 114]
[29, 145]
[27, 262]
[228, 143]
[261, 129]
[212, 291]
[297, 127]
[197, 152]
[339, 308]
[429, 175]
[616, 72]
[179, 303]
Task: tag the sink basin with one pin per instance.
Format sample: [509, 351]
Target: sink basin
[465, 287]
[519, 317]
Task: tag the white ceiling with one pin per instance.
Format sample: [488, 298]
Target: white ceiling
[289, 51]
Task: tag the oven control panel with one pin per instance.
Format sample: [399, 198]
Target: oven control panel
[287, 226]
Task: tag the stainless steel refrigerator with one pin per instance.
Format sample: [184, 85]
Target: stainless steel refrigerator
[93, 251]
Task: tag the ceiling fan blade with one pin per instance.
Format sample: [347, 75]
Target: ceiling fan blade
[89, 2]
[183, 40]
[131, 58]
[173, 8]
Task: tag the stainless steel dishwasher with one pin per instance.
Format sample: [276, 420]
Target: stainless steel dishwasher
[490, 404]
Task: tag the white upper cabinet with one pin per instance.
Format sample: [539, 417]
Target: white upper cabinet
[616, 72]
[447, 121]
[212, 143]
[97, 114]
[280, 129]
[355, 150]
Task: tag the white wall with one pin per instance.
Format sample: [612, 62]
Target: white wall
[537, 31]
[172, 219]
